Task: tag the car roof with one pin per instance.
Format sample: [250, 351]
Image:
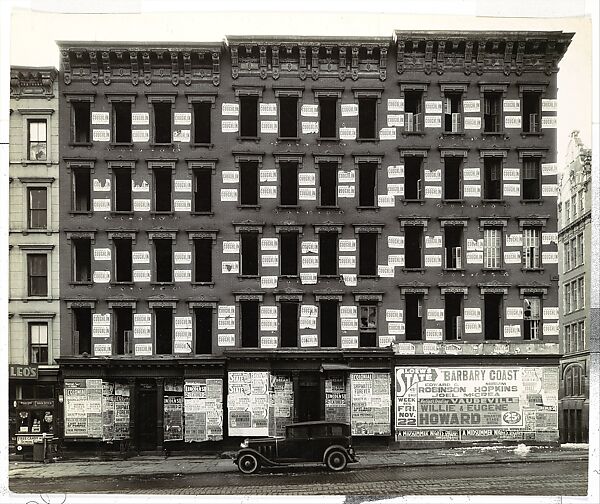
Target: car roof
[316, 422]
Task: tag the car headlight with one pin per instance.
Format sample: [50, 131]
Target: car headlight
[244, 443]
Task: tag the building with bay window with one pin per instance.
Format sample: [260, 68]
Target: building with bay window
[278, 229]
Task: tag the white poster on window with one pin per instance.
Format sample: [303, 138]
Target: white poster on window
[142, 332]
[310, 247]
[549, 122]
[433, 241]
[433, 107]
[268, 342]
[346, 262]
[549, 257]
[435, 314]
[385, 271]
[472, 313]
[514, 313]
[182, 205]
[433, 175]
[550, 312]
[395, 189]
[349, 324]
[268, 243]
[101, 135]
[231, 247]
[512, 331]
[512, 257]
[474, 257]
[307, 322]
[349, 341]
[348, 311]
[268, 192]
[434, 334]
[548, 238]
[549, 169]
[310, 262]
[225, 340]
[550, 329]
[269, 261]
[100, 118]
[182, 275]
[268, 325]
[396, 260]
[346, 191]
[182, 257]
[182, 118]
[550, 190]
[394, 315]
[226, 323]
[473, 326]
[101, 276]
[268, 282]
[309, 340]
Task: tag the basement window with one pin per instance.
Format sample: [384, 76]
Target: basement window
[289, 253]
[203, 260]
[202, 122]
[162, 189]
[81, 190]
[289, 184]
[81, 121]
[413, 239]
[367, 325]
[328, 310]
[453, 316]
[413, 178]
[531, 179]
[492, 173]
[328, 261]
[249, 183]
[492, 316]
[413, 111]
[249, 116]
[202, 191]
[204, 330]
[453, 238]
[162, 122]
[249, 253]
[413, 305]
[163, 258]
[452, 114]
[123, 330]
[367, 184]
[122, 122]
[123, 266]
[82, 331]
[367, 119]
[367, 254]
[531, 112]
[163, 329]
[492, 112]
[249, 323]
[82, 260]
[452, 178]
[328, 184]
[289, 324]
[288, 117]
[328, 118]
[122, 184]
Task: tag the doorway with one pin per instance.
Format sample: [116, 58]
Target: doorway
[146, 418]
[309, 397]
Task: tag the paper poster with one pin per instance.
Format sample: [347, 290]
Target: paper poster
[101, 205]
[472, 191]
[182, 257]
[348, 311]
[228, 109]
[512, 122]
[309, 110]
[307, 194]
[306, 179]
[549, 105]
[268, 175]
[385, 271]
[308, 278]
[435, 314]
[395, 171]
[98, 186]
[182, 205]
[269, 127]
[345, 176]
[268, 312]
[270, 261]
[512, 257]
[142, 135]
[141, 205]
[471, 106]
[140, 118]
[549, 169]
[511, 189]
[140, 257]
[230, 267]
[100, 118]
[268, 109]
[550, 190]
[248, 403]
[350, 280]
[512, 174]
[225, 340]
[231, 247]
[349, 109]
[473, 327]
[395, 104]
[101, 276]
[433, 261]
[346, 191]
[102, 254]
[143, 186]
[395, 241]
[514, 313]
[472, 123]
[268, 282]
[182, 118]
[347, 133]
[395, 189]
[182, 185]
[268, 192]
[143, 349]
[394, 120]
[472, 313]
[309, 340]
[550, 312]
[310, 127]
[141, 275]
[347, 262]
[386, 200]
[433, 192]
[347, 245]
[433, 121]
[349, 324]
[370, 404]
[387, 134]
[230, 126]
[511, 105]
[101, 135]
[394, 315]
[471, 174]
[549, 122]
[433, 241]
[349, 341]
[229, 194]
[203, 409]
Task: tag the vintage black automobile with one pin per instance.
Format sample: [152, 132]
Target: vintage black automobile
[329, 443]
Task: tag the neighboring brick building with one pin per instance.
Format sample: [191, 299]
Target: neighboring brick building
[281, 229]
[575, 230]
[33, 306]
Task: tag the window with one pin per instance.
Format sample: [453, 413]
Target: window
[37, 147]
[492, 316]
[289, 184]
[452, 115]
[531, 248]
[163, 329]
[580, 252]
[367, 119]
[328, 261]
[581, 340]
[367, 254]
[249, 253]
[38, 342]
[162, 122]
[249, 116]
[413, 111]
[574, 381]
[531, 318]
[531, 112]
[202, 191]
[202, 118]
[123, 330]
[249, 323]
[567, 214]
[569, 344]
[122, 122]
[414, 316]
[492, 112]
[37, 275]
[163, 260]
[567, 255]
[492, 171]
[82, 260]
[453, 246]
[574, 295]
[288, 117]
[122, 185]
[531, 179]
[453, 319]
[249, 183]
[573, 244]
[162, 190]
[204, 329]
[203, 260]
[123, 263]
[581, 198]
[413, 178]
[289, 253]
[37, 208]
[367, 184]
[492, 248]
[289, 324]
[452, 178]
[81, 121]
[328, 184]
[413, 239]
[328, 310]
[328, 118]
[367, 325]
[81, 190]
[581, 294]
[574, 206]
[82, 330]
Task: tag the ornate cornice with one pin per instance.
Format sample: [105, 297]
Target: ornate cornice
[28, 82]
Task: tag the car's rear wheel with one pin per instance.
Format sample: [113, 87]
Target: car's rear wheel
[336, 460]
[248, 463]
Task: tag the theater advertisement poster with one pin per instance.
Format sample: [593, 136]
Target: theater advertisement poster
[476, 403]
[370, 404]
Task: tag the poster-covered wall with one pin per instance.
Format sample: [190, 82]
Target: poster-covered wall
[370, 409]
[248, 403]
[476, 403]
[282, 401]
[336, 399]
[115, 411]
[203, 409]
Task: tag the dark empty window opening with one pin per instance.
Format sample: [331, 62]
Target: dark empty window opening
[249, 116]
[202, 191]
[452, 115]
[162, 190]
[249, 253]
[367, 254]
[492, 173]
[328, 253]
[288, 117]
[249, 183]
[492, 112]
[328, 184]
[122, 181]
[453, 237]
[531, 112]
[163, 325]
[81, 190]
[413, 178]
[329, 323]
[202, 122]
[289, 184]
[289, 253]
[82, 260]
[123, 260]
[82, 330]
[122, 122]
[163, 255]
[531, 179]
[328, 119]
[413, 243]
[492, 316]
[413, 111]
[81, 122]
[367, 118]
[367, 184]
[452, 178]
[367, 326]
[414, 316]
[289, 324]
[203, 260]
[203, 330]
[123, 330]
[162, 122]
[453, 316]
[249, 325]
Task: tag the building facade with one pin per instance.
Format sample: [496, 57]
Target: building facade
[574, 214]
[33, 326]
[282, 229]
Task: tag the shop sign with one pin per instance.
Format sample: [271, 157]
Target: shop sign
[22, 372]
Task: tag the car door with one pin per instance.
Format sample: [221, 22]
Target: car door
[319, 440]
[294, 446]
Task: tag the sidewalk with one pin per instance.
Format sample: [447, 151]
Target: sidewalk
[195, 464]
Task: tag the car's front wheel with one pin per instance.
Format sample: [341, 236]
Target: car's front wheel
[248, 463]
[336, 460]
